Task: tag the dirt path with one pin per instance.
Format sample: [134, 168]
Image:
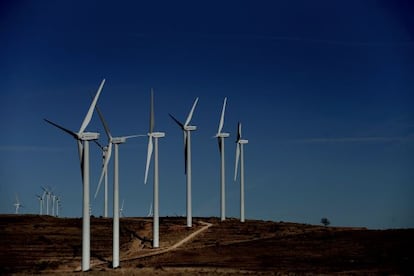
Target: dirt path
[178, 244]
[162, 250]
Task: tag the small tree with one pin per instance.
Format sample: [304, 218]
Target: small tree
[325, 221]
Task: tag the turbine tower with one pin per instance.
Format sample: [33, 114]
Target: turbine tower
[53, 204]
[153, 145]
[113, 141]
[187, 128]
[220, 137]
[240, 155]
[83, 139]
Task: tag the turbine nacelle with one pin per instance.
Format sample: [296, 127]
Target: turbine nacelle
[222, 135]
[242, 141]
[190, 128]
[118, 140]
[156, 134]
[88, 136]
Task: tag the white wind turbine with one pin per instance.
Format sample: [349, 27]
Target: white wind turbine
[151, 147]
[17, 205]
[46, 193]
[113, 141]
[83, 139]
[150, 214]
[40, 198]
[220, 137]
[57, 205]
[187, 128]
[44, 196]
[121, 210]
[53, 204]
[240, 155]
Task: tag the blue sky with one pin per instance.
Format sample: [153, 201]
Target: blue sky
[324, 90]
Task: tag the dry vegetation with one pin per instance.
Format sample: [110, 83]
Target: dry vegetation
[42, 244]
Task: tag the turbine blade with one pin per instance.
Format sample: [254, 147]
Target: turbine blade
[150, 210]
[99, 144]
[152, 119]
[222, 116]
[82, 156]
[80, 151]
[239, 131]
[70, 132]
[104, 169]
[134, 136]
[88, 116]
[175, 120]
[105, 125]
[149, 154]
[122, 206]
[185, 152]
[237, 160]
[190, 115]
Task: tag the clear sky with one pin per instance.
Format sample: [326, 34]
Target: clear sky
[324, 90]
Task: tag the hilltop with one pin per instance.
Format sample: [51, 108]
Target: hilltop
[44, 244]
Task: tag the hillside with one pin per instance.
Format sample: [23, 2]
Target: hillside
[41, 244]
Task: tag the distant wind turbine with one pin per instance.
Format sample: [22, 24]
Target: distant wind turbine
[53, 204]
[40, 198]
[83, 139]
[153, 135]
[17, 205]
[150, 214]
[113, 141]
[220, 137]
[240, 155]
[46, 193]
[121, 210]
[57, 206]
[187, 128]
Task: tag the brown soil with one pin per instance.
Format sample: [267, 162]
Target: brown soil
[43, 244]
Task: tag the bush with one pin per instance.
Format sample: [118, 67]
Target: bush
[325, 221]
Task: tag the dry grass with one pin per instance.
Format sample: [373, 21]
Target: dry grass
[43, 244]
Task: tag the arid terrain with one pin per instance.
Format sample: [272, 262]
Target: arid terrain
[44, 244]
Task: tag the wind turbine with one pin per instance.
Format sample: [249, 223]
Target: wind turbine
[116, 141]
[57, 206]
[240, 155]
[47, 193]
[83, 139]
[150, 214]
[220, 137]
[153, 135]
[187, 128]
[121, 210]
[40, 198]
[17, 204]
[53, 204]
